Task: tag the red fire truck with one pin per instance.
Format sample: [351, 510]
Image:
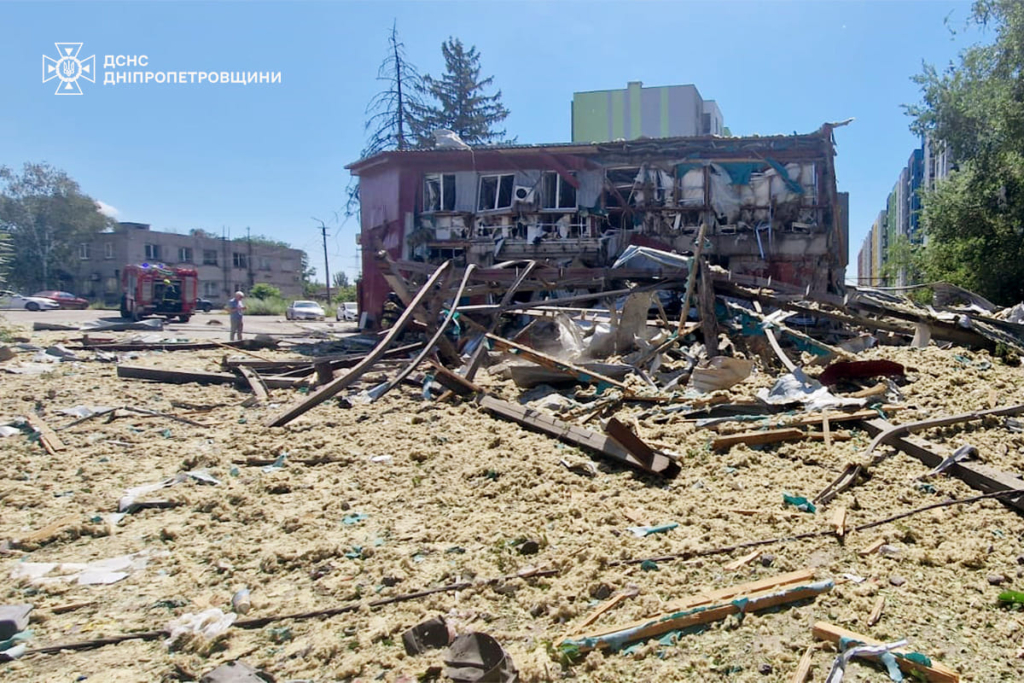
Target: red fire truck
[149, 289]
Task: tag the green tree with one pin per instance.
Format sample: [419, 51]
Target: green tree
[904, 258]
[344, 289]
[974, 221]
[261, 290]
[46, 215]
[460, 104]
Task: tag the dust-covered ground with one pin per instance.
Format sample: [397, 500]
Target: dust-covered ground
[413, 494]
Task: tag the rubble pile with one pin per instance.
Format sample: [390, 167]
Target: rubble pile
[680, 474]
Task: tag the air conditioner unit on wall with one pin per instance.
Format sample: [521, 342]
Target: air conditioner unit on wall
[523, 194]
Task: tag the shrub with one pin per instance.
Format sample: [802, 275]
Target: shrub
[269, 306]
[263, 291]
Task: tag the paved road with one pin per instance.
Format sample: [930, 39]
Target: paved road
[201, 326]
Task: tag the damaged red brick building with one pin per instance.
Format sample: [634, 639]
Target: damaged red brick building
[770, 204]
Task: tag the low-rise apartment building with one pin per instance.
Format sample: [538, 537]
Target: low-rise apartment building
[224, 266]
[770, 204]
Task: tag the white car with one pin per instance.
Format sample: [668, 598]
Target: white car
[304, 310]
[17, 302]
[347, 312]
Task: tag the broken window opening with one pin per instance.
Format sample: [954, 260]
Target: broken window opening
[495, 192]
[438, 192]
[557, 192]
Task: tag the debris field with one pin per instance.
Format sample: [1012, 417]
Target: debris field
[778, 486]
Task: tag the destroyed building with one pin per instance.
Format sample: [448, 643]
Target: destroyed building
[770, 205]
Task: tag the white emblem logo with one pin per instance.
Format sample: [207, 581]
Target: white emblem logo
[69, 68]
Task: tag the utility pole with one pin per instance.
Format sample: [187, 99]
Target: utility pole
[327, 268]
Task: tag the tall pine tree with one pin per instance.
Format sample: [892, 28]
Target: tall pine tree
[460, 104]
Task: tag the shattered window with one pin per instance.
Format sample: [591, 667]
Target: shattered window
[495, 192]
[439, 192]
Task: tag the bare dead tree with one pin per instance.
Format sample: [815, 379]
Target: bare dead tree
[390, 112]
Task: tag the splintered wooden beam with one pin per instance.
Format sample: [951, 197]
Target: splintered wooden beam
[933, 671]
[332, 388]
[758, 438]
[719, 594]
[414, 363]
[661, 464]
[738, 564]
[876, 611]
[839, 521]
[580, 373]
[453, 381]
[694, 616]
[198, 376]
[803, 669]
[691, 277]
[259, 389]
[625, 437]
[47, 437]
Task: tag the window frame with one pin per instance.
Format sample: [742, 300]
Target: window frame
[443, 187]
[207, 262]
[239, 260]
[152, 252]
[84, 251]
[497, 191]
[559, 181]
[183, 252]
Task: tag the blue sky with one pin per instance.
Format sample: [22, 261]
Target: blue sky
[270, 157]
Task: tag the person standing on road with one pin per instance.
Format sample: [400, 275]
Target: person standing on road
[236, 307]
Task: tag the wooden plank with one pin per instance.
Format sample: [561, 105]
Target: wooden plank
[47, 437]
[454, 381]
[337, 360]
[737, 564]
[686, 618]
[581, 374]
[715, 595]
[608, 605]
[706, 306]
[328, 390]
[47, 533]
[259, 389]
[580, 436]
[871, 547]
[625, 437]
[876, 611]
[198, 376]
[936, 672]
[758, 438]
[691, 278]
[839, 520]
[803, 669]
[826, 430]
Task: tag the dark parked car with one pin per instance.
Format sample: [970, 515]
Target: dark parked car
[64, 299]
[204, 305]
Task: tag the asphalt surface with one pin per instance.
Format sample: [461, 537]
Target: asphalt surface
[213, 325]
